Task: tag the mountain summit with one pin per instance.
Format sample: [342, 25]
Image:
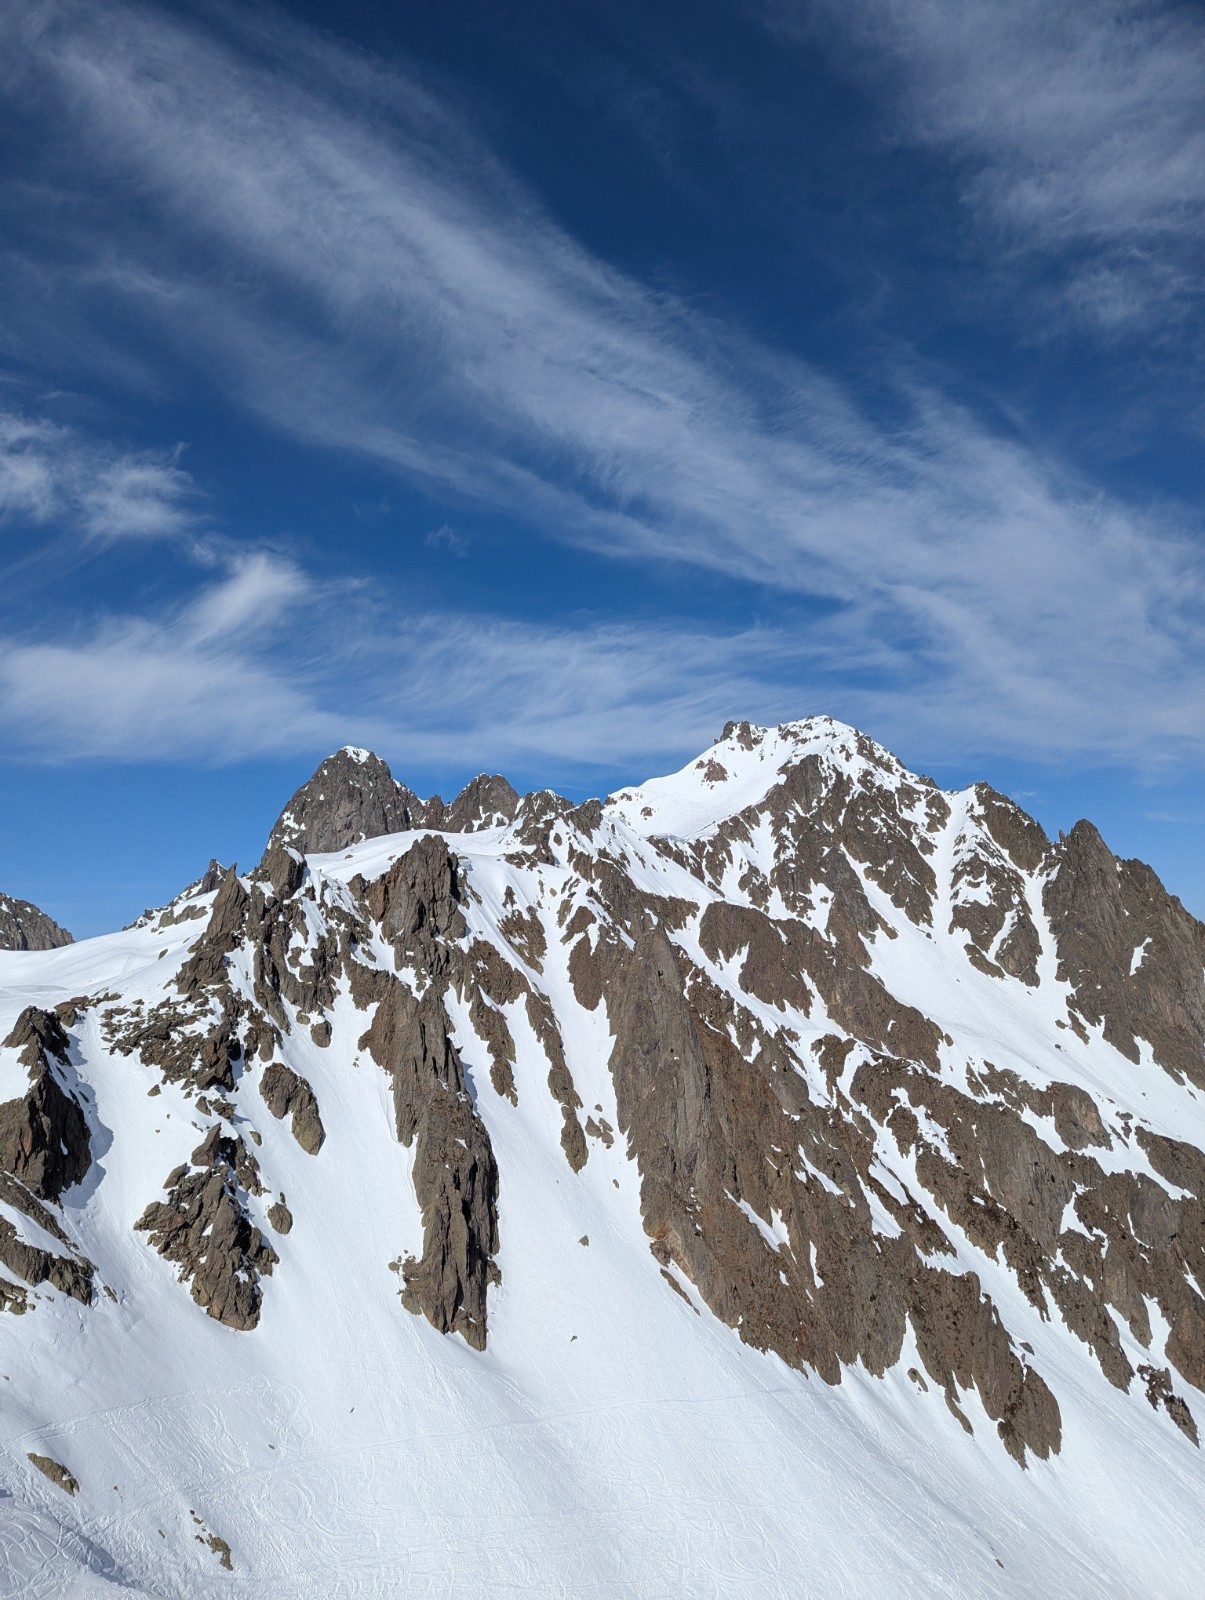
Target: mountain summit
[783, 1174]
[353, 796]
[26, 927]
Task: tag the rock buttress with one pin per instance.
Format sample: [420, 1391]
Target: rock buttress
[455, 1175]
[44, 1138]
[352, 796]
[24, 926]
[1133, 955]
[713, 1135]
[287, 1095]
[204, 1227]
[416, 905]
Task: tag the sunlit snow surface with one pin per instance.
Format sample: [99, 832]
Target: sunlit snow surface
[615, 1438]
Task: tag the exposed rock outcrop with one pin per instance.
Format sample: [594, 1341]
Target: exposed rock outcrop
[836, 1288]
[44, 1137]
[455, 1175]
[352, 796]
[69, 1272]
[205, 1229]
[55, 1471]
[24, 926]
[45, 1148]
[1132, 954]
[283, 869]
[287, 1095]
[488, 801]
[774, 956]
[182, 1040]
[416, 905]
[207, 963]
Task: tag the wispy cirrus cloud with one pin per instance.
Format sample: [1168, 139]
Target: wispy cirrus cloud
[196, 680]
[449, 539]
[263, 661]
[339, 251]
[50, 474]
[1078, 127]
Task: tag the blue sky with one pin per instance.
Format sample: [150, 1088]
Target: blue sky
[536, 386]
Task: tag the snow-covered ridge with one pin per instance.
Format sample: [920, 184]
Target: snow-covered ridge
[739, 1178]
[740, 769]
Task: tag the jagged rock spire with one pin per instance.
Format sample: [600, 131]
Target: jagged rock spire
[352, 796]
[487, 801]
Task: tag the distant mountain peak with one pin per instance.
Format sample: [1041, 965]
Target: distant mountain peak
[24, 926]
[352, 796]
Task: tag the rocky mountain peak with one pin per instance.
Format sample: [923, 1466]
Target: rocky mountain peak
[749, 764]
[24, 926]
[354, 796]
[788, 1072]
[351, 797]
[487, 801]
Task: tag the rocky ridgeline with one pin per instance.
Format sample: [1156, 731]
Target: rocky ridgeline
[353, 796]
[820, 1154]
[24, 927]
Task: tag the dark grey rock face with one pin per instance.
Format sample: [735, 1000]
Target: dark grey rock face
[207, 962]
[44, 1139]
[286, 1094]
[416, 905]
[1133, 955]
[488, 801]
[205, 1228]
[352, 796]
[24, 927]
[66, 1270]
[700, 1119]
[45, 1147]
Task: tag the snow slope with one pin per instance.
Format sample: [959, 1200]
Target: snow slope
[615, 1438]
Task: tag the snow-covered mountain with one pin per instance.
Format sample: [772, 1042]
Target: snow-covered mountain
[783, 1178]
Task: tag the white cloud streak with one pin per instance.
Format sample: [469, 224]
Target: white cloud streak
[251, 666]
[52, 475]
[339, 250]
[196, 681]
[265, 661]
[1080, 126]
